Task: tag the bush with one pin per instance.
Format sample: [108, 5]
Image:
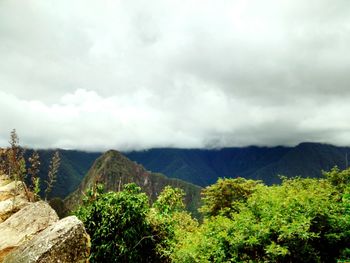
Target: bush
[117, 225]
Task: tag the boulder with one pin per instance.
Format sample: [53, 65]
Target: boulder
[11, 206]
[11, 189]
[64, 241]
[4, 180]
[24, 224]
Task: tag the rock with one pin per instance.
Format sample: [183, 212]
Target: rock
[11, 206]
[64, 241]
[12, 197]
[24, 224]
[4, 180]
[11, 189]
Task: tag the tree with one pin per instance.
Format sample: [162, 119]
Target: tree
[170, 222]
[224, 197]
[118, 226]
[340, 179]
[170, 200]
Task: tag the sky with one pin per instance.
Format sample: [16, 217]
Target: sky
[138, 74]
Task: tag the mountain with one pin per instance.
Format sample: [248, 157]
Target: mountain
[203, 167]
[306, 159]
[73, 168]
[114, 170]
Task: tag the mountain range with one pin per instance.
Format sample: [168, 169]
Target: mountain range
[203, 167]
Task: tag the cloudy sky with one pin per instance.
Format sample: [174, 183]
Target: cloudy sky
[135, 74]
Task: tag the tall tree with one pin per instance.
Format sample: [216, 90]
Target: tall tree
[224, 197]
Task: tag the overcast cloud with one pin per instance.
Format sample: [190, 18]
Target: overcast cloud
[135, 74]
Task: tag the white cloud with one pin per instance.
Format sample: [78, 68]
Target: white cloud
[137, 74]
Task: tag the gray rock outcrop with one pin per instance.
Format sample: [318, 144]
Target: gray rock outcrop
[31, 232]
[10, 189]
[12, 197]
[65, 241]
[11, 206]
[24, 224]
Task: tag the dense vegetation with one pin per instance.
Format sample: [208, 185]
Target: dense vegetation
[203, 167]
[124, 228]
[301, 220]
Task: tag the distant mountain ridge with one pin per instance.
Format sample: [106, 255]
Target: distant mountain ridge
[203, 167]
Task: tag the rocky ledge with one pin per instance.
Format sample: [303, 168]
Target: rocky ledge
[32, 232]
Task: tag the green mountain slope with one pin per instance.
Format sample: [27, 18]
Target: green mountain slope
[305, 160]
[114, 170]
[203, 167]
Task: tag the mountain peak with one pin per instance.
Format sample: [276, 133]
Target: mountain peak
[113, 170]
[113, 154]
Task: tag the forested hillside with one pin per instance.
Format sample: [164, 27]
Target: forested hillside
[203, 167]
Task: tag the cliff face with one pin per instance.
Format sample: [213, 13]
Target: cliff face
[32, 232]
[114, 170]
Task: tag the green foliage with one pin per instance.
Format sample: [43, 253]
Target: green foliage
[33, 172]
[123, 228]
[169, 221]
[226, 195]
[170, 200]
[340, 179]
[36, 188]
[118, 226]
[302, 219]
